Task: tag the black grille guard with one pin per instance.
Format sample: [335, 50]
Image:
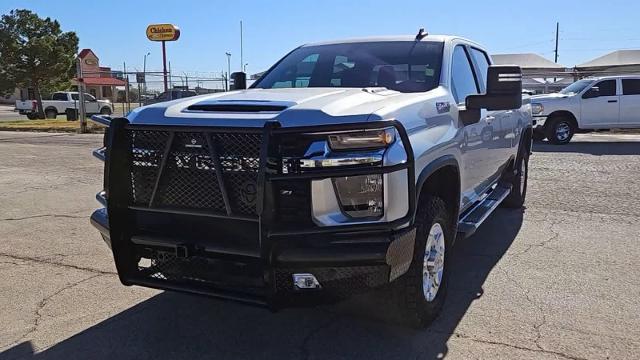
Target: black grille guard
[118, 191]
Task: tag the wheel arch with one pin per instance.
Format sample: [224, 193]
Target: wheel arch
[441, 177]
[565, 114]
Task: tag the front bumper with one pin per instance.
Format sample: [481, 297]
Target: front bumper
[539, 121]
[240, 257]
[344, 265]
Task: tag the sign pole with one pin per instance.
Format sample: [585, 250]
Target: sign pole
[164, 64]
[164, 33]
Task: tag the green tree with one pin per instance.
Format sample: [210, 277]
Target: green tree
[35, 52]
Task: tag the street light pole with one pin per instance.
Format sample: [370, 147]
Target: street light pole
[228, 68]
[144, 72]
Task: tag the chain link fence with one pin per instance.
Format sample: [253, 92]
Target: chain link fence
[144, 88]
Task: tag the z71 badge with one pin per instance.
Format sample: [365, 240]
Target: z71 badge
[443, 107]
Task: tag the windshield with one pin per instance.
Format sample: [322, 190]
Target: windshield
[576, 87]
[405, 66]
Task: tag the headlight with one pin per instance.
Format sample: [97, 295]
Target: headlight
[367, 139]
[360, 196]
[537, 109]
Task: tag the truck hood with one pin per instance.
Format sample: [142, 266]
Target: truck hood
[549, 97]
[252, 107]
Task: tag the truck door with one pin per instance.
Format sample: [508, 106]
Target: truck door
[600, 106]
[500, 124]
[91, 104]
[478, 159]
[630, 103]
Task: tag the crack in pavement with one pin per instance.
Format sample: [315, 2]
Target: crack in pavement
[45, 301]
[55, 263]
[46, 215]
[554, 236]
[518, 347]
[537, 326]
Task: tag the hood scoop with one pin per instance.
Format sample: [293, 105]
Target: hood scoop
[238, 107]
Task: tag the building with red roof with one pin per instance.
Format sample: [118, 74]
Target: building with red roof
[99, 81]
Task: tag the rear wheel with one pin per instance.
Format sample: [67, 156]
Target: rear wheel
[519, 182]
[105, 111]
[422, 290]
[560, 130]
[50, 113]
[32, 116]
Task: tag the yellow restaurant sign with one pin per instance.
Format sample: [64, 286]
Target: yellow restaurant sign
[163, 32]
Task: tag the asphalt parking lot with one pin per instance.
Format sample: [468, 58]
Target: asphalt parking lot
[558, 280]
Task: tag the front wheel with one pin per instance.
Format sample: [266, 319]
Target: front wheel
[422, 290]
[560, 131]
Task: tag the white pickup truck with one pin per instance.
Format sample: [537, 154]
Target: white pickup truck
[60, 102]
[610, 102]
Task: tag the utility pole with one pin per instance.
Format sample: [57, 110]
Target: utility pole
[556, 50]
[241, 50]
[144, 72]
[82, 114]
[557, 35]
[228, 68]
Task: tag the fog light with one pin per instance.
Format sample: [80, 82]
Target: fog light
[305, 281]
[360, 196]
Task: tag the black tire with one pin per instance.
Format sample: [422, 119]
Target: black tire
[50, 113]
[519, 182]
[538, 135]
[560, 130]
[105, 111]
[413, 307]
[32, 116]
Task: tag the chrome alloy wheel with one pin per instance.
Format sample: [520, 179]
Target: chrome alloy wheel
[562, 131]
[433, 263]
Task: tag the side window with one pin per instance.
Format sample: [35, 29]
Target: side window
[463, 81]
[75, 97]
[480, 58]
[630, 86]
[59, 97]
[607, 87]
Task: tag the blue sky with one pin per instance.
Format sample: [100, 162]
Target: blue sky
[115, 29]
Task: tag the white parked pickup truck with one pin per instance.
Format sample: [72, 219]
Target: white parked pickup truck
[347, 166]
[60, 102]
[590, 104]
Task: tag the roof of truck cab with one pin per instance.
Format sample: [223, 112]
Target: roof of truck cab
[433, 38]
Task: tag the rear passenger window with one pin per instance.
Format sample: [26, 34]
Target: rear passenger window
[480, 57]
[59, 97]
[463, 82]
[607, 87]
[630, 86]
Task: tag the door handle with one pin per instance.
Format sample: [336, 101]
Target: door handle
[612, 101]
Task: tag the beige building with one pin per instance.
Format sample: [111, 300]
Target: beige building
[99, 81]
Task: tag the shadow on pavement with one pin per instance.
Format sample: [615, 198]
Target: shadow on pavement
[590, 147]
[172, 325]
